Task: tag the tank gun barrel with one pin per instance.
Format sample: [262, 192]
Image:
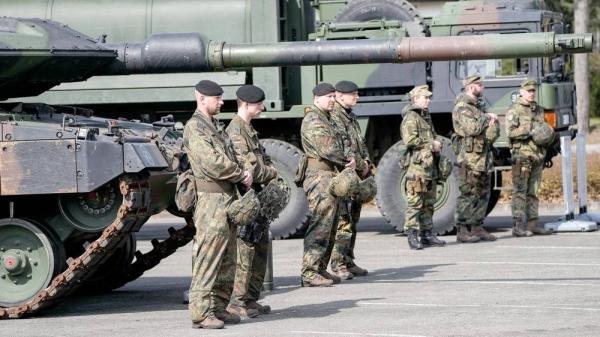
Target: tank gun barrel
[193, 52]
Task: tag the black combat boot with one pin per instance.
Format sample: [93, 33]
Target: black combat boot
[430, 240]
[413, 240]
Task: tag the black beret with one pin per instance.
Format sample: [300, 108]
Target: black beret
[250, 93]
[209, 88]
[346, 86]
[323, 89]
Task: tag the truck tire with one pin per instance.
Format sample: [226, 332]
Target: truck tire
[294, 217]
[390, 180]
[366, 10]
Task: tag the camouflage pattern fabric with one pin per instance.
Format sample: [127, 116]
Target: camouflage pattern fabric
[474, 197]
[251, 259]
[320, 140]
[471, 125]
[345, 124]
[213, 272]
[521, 118]
[320, 234]
[418, 134]
[420, 198]
[245, 139]
[250, 270]
[344, 184]
[342, 255]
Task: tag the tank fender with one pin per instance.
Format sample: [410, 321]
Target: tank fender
[139, 156]
[92, 158]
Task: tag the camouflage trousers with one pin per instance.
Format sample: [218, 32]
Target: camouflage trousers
[250, 270]
[342, 255]
[526, 182]
[214, 263]
[420, 199]
[320, 234]
[474, 197]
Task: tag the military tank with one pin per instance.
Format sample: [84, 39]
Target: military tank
[74, 188]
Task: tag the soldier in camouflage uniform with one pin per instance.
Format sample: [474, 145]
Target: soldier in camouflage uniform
[325, 153]
[471, 126]
[346, 125]
[251, 256]
[217, 169]
[419, 137]
[528, 157]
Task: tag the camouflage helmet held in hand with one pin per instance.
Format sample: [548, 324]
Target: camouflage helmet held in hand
[492, 133]
[273, 198]
[542, 134]
[344, 184]
[445, 168]
[244, 210]
[367, 189]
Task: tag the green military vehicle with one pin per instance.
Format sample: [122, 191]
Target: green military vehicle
[383, 87]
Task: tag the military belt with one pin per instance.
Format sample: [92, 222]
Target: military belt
[317, 164]
[220, 186]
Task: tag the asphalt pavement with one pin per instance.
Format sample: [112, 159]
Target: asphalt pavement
[538, 286]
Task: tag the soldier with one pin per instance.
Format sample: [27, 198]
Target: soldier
[216, 169]
[251, 256]
[346, 125]
[324, 154]
[475, 132]
[419, 137]
[521, 120]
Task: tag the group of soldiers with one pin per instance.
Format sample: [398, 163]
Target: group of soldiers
[475, 131]
[231, 168]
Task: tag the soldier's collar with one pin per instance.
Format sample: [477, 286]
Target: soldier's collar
[201, 115]
[323, 112]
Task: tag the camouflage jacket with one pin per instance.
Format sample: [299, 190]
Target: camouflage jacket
[320, 140]
[520, 120]
[344, 122]
[418, 134]
[470, 122]
[210, 158]
[245, 140]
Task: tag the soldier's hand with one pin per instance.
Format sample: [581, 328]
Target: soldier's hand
[493, 118]
[351, 164]
[247, 181]
[437, 146]
[365, 171]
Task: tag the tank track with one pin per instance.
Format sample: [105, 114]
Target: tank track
[132, 214]
[143, 262]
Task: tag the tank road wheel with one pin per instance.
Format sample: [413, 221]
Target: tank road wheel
[110, 274]
[367, 10]
[294, 217]
[391, 194]
[93, 211]
[30, 256]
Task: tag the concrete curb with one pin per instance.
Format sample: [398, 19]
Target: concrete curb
[505, 206]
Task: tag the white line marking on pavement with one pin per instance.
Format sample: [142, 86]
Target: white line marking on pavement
[550, 247]
[474, 305]
[533, 263]
[354, 334]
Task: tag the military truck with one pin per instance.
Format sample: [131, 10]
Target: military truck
[383, 88]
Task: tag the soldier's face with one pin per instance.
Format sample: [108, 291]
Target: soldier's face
[212, 104]
[477, 89]
[422, 101]
[325, 102]
[255, 109]
[347, 99]
[528, 95]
